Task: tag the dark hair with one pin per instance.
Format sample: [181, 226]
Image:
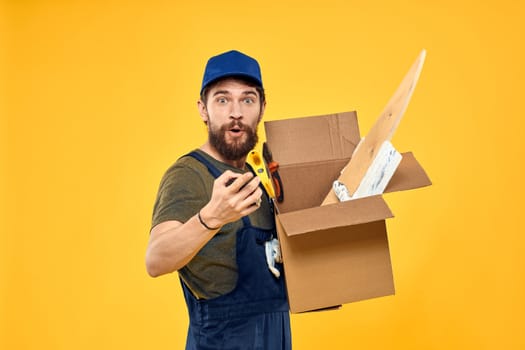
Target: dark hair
[247, 81]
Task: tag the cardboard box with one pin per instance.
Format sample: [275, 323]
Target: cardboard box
[337, 253]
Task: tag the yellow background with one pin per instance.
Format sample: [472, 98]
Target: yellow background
[98, 98]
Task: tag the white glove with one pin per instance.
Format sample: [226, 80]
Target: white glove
[273, 255]
[341, 191]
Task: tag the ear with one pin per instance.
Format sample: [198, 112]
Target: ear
[263, 107]
[203, 111]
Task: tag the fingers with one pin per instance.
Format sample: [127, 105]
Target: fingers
[239, 183]
[227, 178]
[252, 202]
[235, 182]
[249, 192]
[241, 192]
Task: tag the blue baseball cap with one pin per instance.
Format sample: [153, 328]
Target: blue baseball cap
[231, 63]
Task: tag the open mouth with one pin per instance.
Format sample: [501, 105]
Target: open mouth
[236, 129]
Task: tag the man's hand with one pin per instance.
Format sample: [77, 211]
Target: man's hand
[234, 196]
[173, 244]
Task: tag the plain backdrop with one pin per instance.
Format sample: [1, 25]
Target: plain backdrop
[98, 99]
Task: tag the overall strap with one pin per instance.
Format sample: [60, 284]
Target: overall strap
[211, 168]
[215, 173]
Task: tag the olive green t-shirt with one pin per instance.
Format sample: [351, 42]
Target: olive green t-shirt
[184, 189]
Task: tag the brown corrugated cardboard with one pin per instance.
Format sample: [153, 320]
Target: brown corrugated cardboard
[308, 140]
[337, 253]
[409, 175]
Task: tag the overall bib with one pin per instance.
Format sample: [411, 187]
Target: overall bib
[254, 315]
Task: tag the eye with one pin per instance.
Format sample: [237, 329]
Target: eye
[221, 100]
[249, 100]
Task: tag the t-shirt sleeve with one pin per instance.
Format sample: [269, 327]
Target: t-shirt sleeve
[182, 193]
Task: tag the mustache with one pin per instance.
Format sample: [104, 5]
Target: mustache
[235, 124]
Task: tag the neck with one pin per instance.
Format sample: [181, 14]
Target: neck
[237, 163]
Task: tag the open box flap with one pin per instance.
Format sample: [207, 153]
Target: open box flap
[311, 139]
[409, 175]
[342, 214]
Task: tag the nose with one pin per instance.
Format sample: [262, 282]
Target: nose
[236, 110]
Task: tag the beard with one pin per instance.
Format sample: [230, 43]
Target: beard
[237, 148]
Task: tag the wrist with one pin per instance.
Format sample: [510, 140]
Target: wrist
[207, 222]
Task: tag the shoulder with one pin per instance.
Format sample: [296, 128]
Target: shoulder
[185, 168]
[185, 165]
[184, 187]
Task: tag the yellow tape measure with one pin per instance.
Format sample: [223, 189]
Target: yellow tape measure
[256, 161]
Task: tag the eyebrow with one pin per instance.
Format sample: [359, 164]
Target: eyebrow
[226, 92]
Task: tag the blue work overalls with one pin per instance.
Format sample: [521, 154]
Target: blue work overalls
[254, 315]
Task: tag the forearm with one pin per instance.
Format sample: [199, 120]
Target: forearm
[173, 244]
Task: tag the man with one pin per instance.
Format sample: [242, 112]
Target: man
[212, 220]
